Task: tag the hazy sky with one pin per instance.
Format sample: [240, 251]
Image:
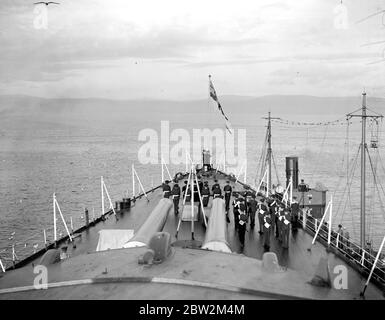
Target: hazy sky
[166, 48]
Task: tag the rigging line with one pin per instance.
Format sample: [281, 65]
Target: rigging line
[342, 166]
[319, 156]
[261, 155]
[379, 198]
[343, 192]
[341, 170]
[359, 109]
[381, 203]
[259, 167]
[373, 194]
[297, 123]
[275, 167]
[263, 159]
[264, 156]
[379, 156]
[375, 180]
[349, 200]
[349, 183]
[373, 111]
[347, 153]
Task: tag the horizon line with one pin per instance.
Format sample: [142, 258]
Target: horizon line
[184, 100]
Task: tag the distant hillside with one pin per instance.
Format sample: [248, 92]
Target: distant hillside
[233, 105]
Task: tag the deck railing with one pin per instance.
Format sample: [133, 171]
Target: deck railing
[343, 246]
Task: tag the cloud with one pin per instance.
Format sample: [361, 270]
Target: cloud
[89, 42]
[343, 57]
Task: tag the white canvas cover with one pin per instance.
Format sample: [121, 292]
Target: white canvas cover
[216, 231]
[113, 238]
[187, 216]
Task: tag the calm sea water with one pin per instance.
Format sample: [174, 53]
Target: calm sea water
[67, 154]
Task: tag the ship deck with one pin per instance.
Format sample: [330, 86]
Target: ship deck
[297, 257]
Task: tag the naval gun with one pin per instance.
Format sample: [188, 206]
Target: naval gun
[153, 224]
[215, 238]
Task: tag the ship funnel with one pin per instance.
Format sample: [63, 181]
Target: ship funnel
[206, 160]
[292, 171]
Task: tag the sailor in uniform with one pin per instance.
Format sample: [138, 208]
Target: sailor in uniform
[276, 217]
[227, 189]
[196, 192]
[252, 207]
[217, 191]
[262, 210]
[175, 192]
[248, 196]
[267, 227]
[279, 191]
[242, 222]
[187, 192]
[166, 189]
[272, 211]
[285, 228]
[215, 185]
[294, 214]
[184, 188]
[236, 204]
[205, 194]
[280, 216]
[340, 231]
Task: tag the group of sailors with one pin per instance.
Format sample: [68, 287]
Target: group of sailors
[201, 188]
[275, 217]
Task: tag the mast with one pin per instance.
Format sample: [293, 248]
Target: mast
[363, 147]
[363, 169]
[269, 149]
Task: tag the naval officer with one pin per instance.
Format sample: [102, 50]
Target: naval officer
[227, 189]
[262, 210]
[253, 206]
[166, 189]
[267, 227]
[205, 193]
[285, 228]
[175, 192]
[242, 222]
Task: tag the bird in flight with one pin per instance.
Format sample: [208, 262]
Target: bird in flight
[46, 3]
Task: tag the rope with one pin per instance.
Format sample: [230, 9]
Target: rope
[346, 144]
[262, 161]
[296, 123]
[373, 194]
[375, 181]
[382, 166]
[275, 167]
[347, 187]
